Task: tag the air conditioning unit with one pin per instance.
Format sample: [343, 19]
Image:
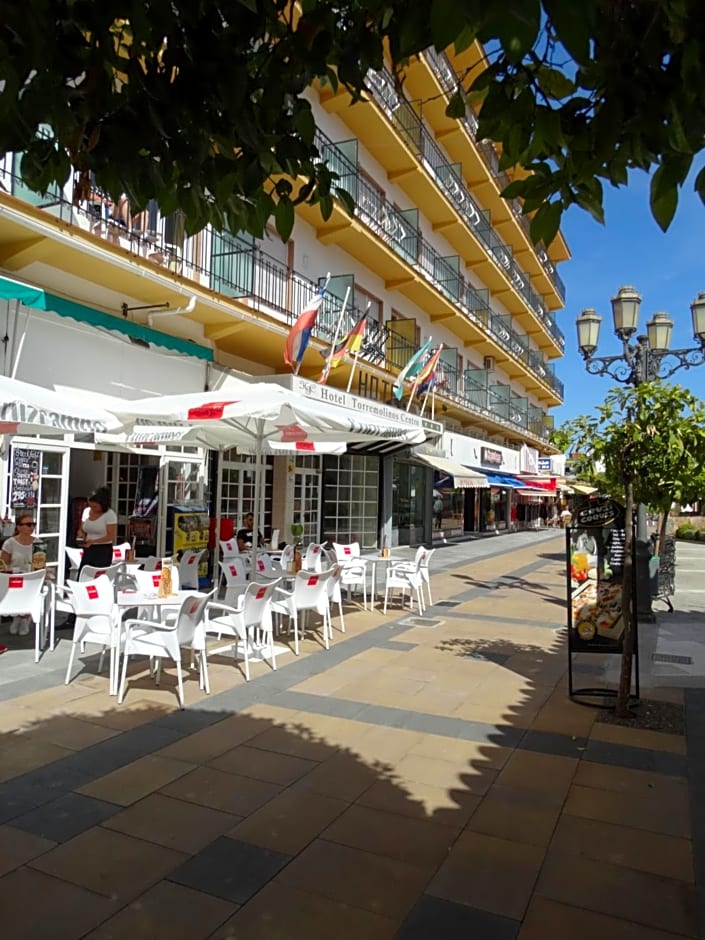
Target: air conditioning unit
[489, 363]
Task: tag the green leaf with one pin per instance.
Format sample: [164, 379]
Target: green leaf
[284, 218]
[447, 22]
[554, 83]
[456, 107]
[571, 22]
[546, 222]
[664, 191]
[699, 185]
[346, 199]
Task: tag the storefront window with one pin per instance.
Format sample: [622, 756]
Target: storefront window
[494, 510]
[351, 499]
[409, 502]
[448, 510]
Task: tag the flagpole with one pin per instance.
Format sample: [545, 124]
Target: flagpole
[321, 291]
[326, 368]
[356, 354]
[412, 393]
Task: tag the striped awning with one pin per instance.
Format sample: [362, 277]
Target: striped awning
[459, 477]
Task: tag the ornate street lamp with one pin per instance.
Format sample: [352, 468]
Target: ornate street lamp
[649, 357]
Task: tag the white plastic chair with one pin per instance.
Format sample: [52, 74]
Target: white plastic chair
[22, 594]
[264, 568]
[234, 571]
[120, 551]
[229, 548]
[401, 576]
[151, 563]
[335, 594]
[313, 558]
[89, 573]
[286, 559]
[354, 574]
[97, 623]
[188, 568]
[421, 565]
[274, 540]
[160, 640]
[347, 552]
[74, 556]
[310, 593]
[249, 623]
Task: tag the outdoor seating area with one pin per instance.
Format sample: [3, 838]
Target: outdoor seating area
[247, 614]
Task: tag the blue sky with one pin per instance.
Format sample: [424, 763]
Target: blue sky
[667, 269]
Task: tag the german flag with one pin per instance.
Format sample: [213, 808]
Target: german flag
[350, 344]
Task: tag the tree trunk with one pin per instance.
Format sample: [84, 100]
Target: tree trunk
[663, 530]
[628, 609]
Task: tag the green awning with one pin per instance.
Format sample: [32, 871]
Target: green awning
[40, 299]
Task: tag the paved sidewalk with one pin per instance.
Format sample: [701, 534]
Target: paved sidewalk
[420, 780]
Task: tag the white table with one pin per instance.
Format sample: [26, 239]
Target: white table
[128, 598]
[374, 559]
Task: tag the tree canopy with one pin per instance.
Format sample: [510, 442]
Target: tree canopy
[203, 106]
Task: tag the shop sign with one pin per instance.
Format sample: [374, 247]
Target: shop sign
[491, 457]
[597, 513]
[24, 482]
[544, 464]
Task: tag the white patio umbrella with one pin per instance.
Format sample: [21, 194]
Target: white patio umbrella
[32, 409]
[257, 417]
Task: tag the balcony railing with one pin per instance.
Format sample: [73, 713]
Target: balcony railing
[445, 73]
[399, 232]
[241, 270]
[437, 164]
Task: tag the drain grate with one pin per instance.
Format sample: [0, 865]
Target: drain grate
[429, 622]
[447, 603]
[671, 658]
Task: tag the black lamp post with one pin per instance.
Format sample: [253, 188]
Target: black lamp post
[649, 358]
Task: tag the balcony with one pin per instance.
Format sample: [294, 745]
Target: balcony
[400, 140]
[401, 255]
[508, 212]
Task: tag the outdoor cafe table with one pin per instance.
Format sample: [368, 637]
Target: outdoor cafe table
[376, 558]
[129, 598]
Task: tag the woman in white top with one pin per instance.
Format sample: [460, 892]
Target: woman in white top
[17, 555]
[98, 530]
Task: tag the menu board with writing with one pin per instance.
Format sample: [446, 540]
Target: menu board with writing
[24, 478]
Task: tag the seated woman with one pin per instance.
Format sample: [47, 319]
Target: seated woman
[17, 555]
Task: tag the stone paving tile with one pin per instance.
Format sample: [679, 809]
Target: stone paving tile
[230, 869]
[69, 732]
[419, 842]
[495, 875]
[290, 821]
[167, 910]
[653, 852]
[229, 793]
[637, 782]
[172, 823]
[34, 905]
[66, 817]
[211, 742]
[18, 847]
[421, 801]
[281, 913]
[517, 814]
[638, 758]
[627, 809]
[650, 740]
[547, 773]
[469, 754]
[546, 919]
[136, 780]
[343, 776]
[281, 769]
[384, 886]
[446, 920]
[662, 903]
[109, 863]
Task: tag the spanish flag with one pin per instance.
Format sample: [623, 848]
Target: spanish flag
[427, 376]
[350, 344]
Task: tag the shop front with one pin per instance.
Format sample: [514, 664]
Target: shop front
[489, 509]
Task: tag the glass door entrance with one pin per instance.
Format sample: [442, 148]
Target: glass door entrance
[307, 503]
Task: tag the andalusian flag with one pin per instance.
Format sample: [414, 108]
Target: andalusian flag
[427, 376]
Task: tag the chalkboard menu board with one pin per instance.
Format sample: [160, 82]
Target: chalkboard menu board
[24, 483]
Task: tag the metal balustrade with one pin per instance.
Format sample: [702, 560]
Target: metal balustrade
[398, 230]
[437, 164]
[444, 71]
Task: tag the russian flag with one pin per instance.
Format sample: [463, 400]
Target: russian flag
[300, 333]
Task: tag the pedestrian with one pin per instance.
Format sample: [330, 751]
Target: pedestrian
[17, 554]
[438, 510]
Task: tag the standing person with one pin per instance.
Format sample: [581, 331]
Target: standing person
[438, 510]
[98, 529]
[17, 555]
[246, 535]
